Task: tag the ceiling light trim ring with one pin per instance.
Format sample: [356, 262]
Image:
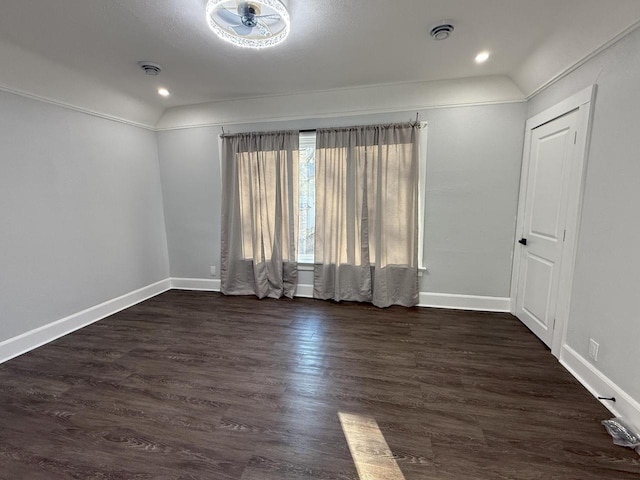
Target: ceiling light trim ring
[240, 41]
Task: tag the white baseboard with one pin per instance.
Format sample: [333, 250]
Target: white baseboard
[201, 284]
[599, 385]
[213, 285]
[435, 300]
[464, 302]
[47, 333]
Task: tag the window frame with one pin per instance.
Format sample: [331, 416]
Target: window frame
[422, 195]
[305, 260]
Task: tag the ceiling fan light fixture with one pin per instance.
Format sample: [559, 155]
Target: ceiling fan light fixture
[249, 24]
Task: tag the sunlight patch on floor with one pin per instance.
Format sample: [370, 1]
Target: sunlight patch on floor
[371, 453]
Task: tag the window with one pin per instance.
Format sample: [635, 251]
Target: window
[306, 197]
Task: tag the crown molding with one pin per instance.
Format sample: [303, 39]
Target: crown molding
[242, 121]
[337, 114]
[570, 69]
[75, 108]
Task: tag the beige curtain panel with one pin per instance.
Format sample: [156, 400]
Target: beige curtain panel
[259, 214]
[366, 241]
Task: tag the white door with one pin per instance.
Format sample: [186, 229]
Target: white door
[551, 151]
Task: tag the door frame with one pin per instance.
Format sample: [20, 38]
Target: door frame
[582, 102]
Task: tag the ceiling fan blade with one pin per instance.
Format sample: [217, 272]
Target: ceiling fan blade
[273, 16]
[231, 18]
[242, 30]
[264, 30]
[269, 19]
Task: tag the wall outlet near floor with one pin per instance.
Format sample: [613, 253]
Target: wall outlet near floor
[214, 270]
[593, 349]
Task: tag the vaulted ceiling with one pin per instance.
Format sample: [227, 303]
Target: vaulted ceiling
[85, 52]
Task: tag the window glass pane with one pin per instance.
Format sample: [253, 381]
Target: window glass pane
[307, 197]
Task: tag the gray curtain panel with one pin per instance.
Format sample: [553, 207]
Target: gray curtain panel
[259, 214]
[366, 241]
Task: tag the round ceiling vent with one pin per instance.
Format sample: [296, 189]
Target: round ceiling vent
[441, 31]
[150, 68]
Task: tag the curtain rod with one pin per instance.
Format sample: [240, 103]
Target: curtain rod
[415, 123]
[313, 130]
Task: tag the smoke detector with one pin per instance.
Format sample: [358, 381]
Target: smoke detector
[150, 68]
[442, 31]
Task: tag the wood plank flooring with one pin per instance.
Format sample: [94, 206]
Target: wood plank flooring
[195, 385]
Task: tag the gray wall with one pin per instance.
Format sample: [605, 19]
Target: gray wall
[604, 304]
[81, 210]
[190, 172]
[473, 170]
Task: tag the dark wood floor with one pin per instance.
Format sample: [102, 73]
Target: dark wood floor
[196, 385]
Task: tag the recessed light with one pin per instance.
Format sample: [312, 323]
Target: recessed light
[164, 92]
[482, 57]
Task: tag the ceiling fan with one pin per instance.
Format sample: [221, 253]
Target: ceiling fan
[253, 23]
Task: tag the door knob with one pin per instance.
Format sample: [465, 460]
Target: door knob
[522, 241]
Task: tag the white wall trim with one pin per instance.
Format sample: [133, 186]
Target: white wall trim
[583, 60]
[47, 333]
[427, 299]
[464, 302]
[75, 108]
[599, 385]
[213, 285]
[339, 114]
[567, 105]
[242, 121]
[199, 284]
[352, 88]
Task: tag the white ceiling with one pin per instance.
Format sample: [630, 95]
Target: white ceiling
[68, 50]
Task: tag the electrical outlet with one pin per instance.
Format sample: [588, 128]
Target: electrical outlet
[593, 349]
[214, 270]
